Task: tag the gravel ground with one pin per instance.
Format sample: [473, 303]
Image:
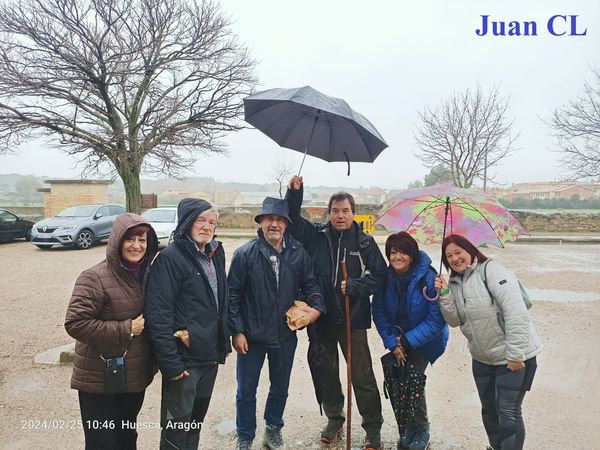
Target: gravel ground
[38, 410]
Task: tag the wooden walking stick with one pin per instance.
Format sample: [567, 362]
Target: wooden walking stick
[348, 360]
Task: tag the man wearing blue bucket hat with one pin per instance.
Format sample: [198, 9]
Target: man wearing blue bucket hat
[266, 276]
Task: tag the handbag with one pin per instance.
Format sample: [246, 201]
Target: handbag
[115, 374]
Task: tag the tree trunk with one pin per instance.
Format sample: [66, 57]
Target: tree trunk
[133, 192]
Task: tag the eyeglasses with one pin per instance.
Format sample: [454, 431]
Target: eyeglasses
[398, 255]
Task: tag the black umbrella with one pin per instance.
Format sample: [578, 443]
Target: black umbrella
[313, 123]
[316, 360]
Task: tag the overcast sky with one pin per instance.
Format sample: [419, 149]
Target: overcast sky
[389, 59]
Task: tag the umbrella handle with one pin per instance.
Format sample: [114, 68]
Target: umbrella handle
[428, 298]
[348, 161]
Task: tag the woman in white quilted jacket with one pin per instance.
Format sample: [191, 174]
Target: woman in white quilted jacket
[502, 340]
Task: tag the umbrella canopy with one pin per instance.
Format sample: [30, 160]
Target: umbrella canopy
[316, 124]
[429, 214]
[404, 386]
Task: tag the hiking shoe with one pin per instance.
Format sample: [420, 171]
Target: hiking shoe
[332, 431]
[420, 440]
[373, 440]
[243, 444]
[406, 437]
[272, 438]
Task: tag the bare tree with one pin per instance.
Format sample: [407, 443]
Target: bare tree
[468, 133]
[282, 168]
[577, 129]
[133, 85]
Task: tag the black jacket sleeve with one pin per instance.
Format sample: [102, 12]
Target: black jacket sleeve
[302, 229]
[161, 292]
[375, 273]
[236, 281]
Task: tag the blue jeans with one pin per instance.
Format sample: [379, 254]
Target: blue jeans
[501, 393]
[248, 370]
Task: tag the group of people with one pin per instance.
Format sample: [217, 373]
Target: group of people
[179, 311]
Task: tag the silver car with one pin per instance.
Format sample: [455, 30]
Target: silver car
[77, 226]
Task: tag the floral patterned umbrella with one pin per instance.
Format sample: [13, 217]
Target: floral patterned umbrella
[430, 213]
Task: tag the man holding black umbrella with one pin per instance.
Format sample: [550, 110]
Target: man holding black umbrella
[341, 239]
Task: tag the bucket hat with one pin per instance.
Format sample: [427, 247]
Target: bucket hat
[275, 206]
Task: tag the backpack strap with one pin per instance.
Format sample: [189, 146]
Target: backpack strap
[483, 274]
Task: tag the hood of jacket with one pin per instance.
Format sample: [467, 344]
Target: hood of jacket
[123, 223]
[188, 211]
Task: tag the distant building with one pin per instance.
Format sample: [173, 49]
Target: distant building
[550, 190]
[227, 198]
[171, 196]
[253, 198]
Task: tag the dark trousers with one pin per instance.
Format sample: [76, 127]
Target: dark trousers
[364, 384]
[248, 370]
[109, 420]
[183, 406]
[501, 393]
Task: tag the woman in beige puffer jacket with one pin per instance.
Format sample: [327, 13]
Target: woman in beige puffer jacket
[501, 337]
[105, 317]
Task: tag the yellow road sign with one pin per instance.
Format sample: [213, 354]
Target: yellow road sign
[366, 221]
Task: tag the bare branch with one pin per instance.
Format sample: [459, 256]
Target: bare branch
[576, 127]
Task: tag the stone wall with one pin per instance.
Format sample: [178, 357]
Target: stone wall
[243, 217]
[230, 217]
[563, 222]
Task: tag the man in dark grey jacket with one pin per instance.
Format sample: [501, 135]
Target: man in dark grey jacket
[266, 275]
[342, 239]
[186, 317]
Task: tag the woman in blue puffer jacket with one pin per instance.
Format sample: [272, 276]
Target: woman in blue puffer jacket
[401, 305]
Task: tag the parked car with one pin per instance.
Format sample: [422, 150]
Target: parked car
[78, 226]
[13, 226]
[164, 222]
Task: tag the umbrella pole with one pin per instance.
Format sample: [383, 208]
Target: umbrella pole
[348, 362]
[445, 222]
[309, 139]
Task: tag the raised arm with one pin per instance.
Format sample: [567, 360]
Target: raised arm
[302, 229]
